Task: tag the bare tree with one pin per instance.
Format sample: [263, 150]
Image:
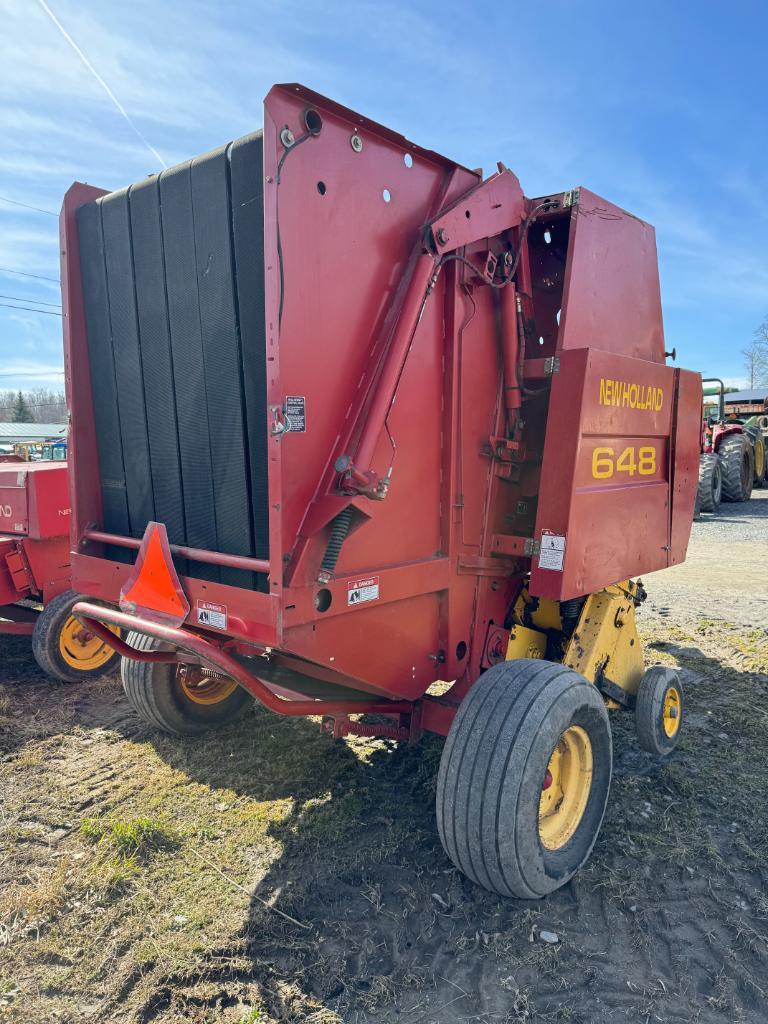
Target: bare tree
[756, 357]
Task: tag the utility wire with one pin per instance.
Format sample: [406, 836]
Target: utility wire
[33, 373]
[22, 273]
[29, 309]
[26, 206]
[99, 79]
[37, 302]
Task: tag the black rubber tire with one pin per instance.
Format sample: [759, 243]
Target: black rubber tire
[649, 710]
[491, 773]
[710, 482]
[45, 642]
[157, 698]
[737, 461]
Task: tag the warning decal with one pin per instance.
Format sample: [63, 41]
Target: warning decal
[296, 413]
[210, 614]
[360, 591]
[552, 553]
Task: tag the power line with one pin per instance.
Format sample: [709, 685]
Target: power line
[23, 273]
[29, 309]
[99, 79]
[33, 373]
[26, 206]
[37, 302]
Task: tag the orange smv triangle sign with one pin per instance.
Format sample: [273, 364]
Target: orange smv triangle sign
[154, 587]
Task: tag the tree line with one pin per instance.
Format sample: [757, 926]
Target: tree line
[40, 405]
[756, 357]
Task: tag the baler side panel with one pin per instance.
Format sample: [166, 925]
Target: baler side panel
[612, 299]
[604, 501]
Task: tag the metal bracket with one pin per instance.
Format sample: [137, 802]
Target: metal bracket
[551, 366]
[532, 547]
[571, 197]
[615, 692]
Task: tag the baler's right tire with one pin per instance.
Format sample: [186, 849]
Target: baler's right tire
[710, 482]
[524, 778]
[737, 462]
[163, 695]
[659, 710]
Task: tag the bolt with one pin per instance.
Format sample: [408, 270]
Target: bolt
[356, 143]
[442, 236]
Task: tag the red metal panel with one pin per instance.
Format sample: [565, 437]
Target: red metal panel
[49, 509]
[48, 562]
[82, 453]
[686, 443]
[611, 299]
[605, 480]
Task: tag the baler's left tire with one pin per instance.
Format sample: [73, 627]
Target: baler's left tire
[65, 649]
[168, 697]
[524, 778]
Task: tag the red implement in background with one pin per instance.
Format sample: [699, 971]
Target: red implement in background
[34, 539]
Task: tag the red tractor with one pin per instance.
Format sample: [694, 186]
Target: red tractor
[35, 571]
[348, 419]
[732, 458]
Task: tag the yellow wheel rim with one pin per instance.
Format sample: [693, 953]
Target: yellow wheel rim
[81, 649]
[565, 788]
[204, 689]
[760, 458]
[672, 709]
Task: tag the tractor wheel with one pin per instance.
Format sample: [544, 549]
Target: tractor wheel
[659, 710]
[760, 460]
[65, 649]
[179, 699]
[737, 460]
[710, 482]
[524, 778]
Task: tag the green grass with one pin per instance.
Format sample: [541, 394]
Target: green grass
[130, 838]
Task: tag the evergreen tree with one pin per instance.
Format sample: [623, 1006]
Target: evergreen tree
[21, 411]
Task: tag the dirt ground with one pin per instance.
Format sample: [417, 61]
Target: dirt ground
[269, 874]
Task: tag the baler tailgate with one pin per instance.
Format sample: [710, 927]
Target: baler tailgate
[607, 473]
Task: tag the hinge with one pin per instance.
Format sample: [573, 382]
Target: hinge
[571, 198]
[551, 365]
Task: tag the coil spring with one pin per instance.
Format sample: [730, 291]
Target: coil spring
[569, 614]
[339, 530]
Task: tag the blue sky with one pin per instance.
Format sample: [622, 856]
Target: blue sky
[657, 106]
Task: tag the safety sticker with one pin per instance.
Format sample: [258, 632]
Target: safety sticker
[210, 614]
[360, 591]
[295, 410]
[552, 553]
